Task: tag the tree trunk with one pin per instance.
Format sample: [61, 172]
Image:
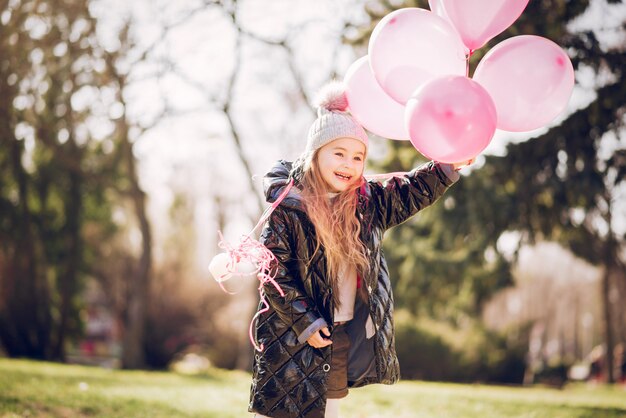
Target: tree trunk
[578, 349]
[134, 331]
[24, 314]
[621, 307]
[608, 322]
[68, 275]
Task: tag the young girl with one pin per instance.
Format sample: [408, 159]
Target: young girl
[333, 328]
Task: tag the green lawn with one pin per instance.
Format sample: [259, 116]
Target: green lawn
[34, 389]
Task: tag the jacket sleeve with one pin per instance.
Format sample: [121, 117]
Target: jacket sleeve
[295, 308]
[402, 197]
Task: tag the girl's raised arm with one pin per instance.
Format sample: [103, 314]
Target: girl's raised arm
[401, 197]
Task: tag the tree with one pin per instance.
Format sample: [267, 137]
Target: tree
[66, 148]
[570, 177]
[49, 175]
[135, 304]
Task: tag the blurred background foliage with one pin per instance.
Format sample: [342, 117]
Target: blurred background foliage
[81, 269]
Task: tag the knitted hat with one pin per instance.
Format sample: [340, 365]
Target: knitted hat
[333, 121]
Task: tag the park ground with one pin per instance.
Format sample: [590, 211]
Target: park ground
[39, 389]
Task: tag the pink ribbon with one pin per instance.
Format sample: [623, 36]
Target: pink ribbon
[256, 253]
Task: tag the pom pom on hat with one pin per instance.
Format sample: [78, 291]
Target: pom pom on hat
[333, 122]
[332, 97]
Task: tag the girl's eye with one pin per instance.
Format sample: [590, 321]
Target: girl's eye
[339, 154]
[357, 158]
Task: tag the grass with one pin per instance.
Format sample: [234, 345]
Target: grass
[38, 389]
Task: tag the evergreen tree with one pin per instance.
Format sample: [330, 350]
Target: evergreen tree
[563, 185]
[53, 173]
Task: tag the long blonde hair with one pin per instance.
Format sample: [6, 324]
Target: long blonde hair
[336, 224]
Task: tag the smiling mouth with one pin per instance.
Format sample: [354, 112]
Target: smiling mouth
[343, 177]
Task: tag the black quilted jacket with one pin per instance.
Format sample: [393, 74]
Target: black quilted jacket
[289, 377]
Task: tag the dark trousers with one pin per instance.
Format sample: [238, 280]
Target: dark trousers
[337, 383]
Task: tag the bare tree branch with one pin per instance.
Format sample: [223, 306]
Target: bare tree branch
[169, 27]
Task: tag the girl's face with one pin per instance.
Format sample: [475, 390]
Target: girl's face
[341, 163]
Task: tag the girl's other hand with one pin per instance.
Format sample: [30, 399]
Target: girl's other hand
[316, 340]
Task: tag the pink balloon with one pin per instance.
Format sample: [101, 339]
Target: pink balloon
[412, 46]
[437, 8]
[370, 105]
[479, 21]
[530, 79]
[451, 119]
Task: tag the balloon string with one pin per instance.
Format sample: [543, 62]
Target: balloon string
[256, 253]
[467, 62]
[270, 209]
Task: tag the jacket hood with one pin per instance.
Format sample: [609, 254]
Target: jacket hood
[275, 181]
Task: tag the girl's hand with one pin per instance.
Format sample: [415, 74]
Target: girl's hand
[317, 341]
[460, 165]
